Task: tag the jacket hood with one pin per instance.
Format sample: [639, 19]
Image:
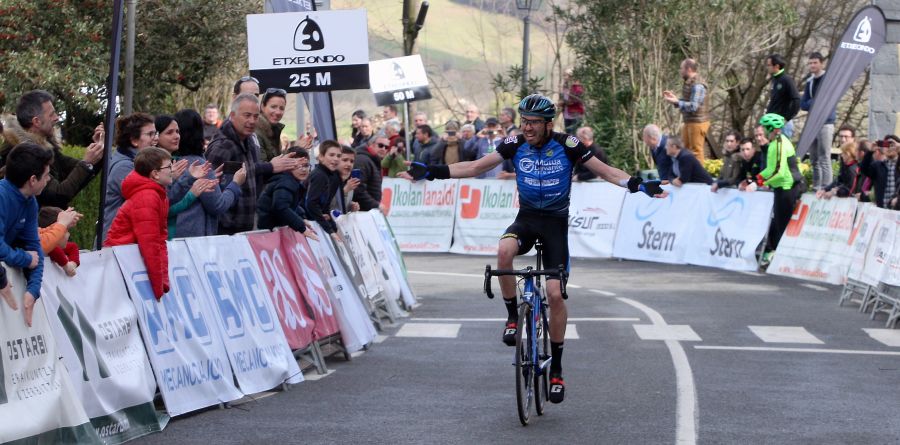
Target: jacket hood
[268, 129]
[135, 183]
[14, 134]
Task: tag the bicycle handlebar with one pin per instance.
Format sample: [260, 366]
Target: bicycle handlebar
[525, 273]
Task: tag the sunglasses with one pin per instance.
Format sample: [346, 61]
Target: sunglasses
[248, 79]
[380, 145]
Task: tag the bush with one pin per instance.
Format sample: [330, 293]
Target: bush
[713, 166]
[88, 203]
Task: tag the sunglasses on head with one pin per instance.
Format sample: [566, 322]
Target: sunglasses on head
[248, 79]
[273, 92]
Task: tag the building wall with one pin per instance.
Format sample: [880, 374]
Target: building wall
[884, 99]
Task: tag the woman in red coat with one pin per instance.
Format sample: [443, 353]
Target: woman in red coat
[144, 216]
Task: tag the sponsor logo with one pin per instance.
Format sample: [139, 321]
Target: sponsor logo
[572, 142]
[510, 140]
[237, 295]
[727, 247]
[308, 36]
[175, 317]
[652, 206]
[399, 74]
[594, 210]
[549, 152]
[526, 165]
[798, 218]
[656, 240]
[471, 202]
[863, 31]
[474, 199]
[386, 198]
[732, 208]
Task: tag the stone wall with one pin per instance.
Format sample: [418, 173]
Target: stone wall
[884, 99]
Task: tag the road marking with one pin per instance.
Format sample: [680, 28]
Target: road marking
[491, 320]
[675, 332]
[814, 287]
[429, 330]
[313, 376]
[571, 332]
[752, 274]
[811, 350]
[888, 337]
[357, 353]
[446, 274]
[573, 286]
[380, 338]
[603, 292]
[686, 404]
[785, 334]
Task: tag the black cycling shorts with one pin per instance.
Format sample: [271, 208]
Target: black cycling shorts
[553, 231]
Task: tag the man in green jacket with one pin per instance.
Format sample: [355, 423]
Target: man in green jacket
[782, 175]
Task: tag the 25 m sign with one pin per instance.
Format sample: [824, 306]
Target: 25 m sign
[309, 51]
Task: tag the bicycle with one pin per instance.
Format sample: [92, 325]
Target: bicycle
[532, 357]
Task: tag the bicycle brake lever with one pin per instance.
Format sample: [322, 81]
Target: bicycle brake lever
[487, 281]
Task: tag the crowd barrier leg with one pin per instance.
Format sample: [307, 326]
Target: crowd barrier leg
[313, 354]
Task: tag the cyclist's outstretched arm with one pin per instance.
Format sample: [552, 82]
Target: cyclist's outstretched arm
[469, 169]
[607, 172]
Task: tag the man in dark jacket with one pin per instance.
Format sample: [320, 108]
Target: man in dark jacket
[586, 136]
[656, 143]
[368, 162]
[424, 143]
[747, 165]
[884, 173]
[820, 152]
[232, 143]
[450, 150]
[34, 122]
[784, 98]
[685, 167]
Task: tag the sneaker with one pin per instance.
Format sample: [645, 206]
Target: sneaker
[557, 388]
[509, 333]
[766, 259]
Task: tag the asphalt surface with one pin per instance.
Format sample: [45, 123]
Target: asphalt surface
[830, 382]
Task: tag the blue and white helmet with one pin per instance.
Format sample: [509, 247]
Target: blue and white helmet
[537, 105]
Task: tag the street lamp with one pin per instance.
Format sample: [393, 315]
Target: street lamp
[527, 6]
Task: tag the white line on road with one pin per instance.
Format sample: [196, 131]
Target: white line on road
[814, 287]
[446, 274]
[677, 332]
[686, 403]
[811, 350]
[752, 274]
[450, 320]
[571, 332]
[603, 292]
[429, 330]
[785, 334]
[888, 337]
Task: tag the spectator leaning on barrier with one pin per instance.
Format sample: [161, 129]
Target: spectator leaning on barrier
[134, 132]
[685, 167]
[269, 126]
[884, 173]
[201, 218]
[233, 143]
[784, 99]
[281, 201]
[322, 184]
[746, 168]
[343, 201]
[586, 136]
[820, 152]
[848, 182]
[368, 162]
[143, 218]
[27, 173]
[782, 175]
[762, 141]
[656, 142]
[693, 106]
[730, 156]
[35, 122]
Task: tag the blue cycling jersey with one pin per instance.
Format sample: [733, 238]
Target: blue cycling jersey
[544, 174]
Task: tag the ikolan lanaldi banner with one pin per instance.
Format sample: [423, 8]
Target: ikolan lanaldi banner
[656, 229]
[726, 236]
[883, 260]
[485, 208]
[96, 330]
[421, 213]
[593, 218]
[37, 401]
[816, 244]
[867, 223]
[248, 322]
[179, 330]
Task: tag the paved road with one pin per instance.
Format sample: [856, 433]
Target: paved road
[658, 354]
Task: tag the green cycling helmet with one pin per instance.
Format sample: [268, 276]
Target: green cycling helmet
[771, 121]
[537, 105]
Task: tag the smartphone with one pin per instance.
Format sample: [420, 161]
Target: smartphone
[231, 167]
[356, 173]
[451, 133]
[490, 134]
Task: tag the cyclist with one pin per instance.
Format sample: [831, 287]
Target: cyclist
[783, 176]
[544, 161]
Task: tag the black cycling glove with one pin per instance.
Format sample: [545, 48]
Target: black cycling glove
[420, 171]
[637, 184]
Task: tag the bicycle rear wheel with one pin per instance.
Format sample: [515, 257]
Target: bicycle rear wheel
[524, 366]
[542, 376]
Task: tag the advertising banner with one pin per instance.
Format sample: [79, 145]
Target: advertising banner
[286, 295]
[37, 401]
[179, 331]
[356, 328]
[881, 253]
[257, 349]
[421, 213]
[484, 209]
[308, 272]
[96, 331]
[815, 244]
[309, 51]
[656, 229]
[365, 259]
[593, 218]
[393, 251]
[398, 80]
[727, 235]
[868, 220]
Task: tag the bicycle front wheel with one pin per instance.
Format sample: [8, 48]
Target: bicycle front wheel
[524, 366]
